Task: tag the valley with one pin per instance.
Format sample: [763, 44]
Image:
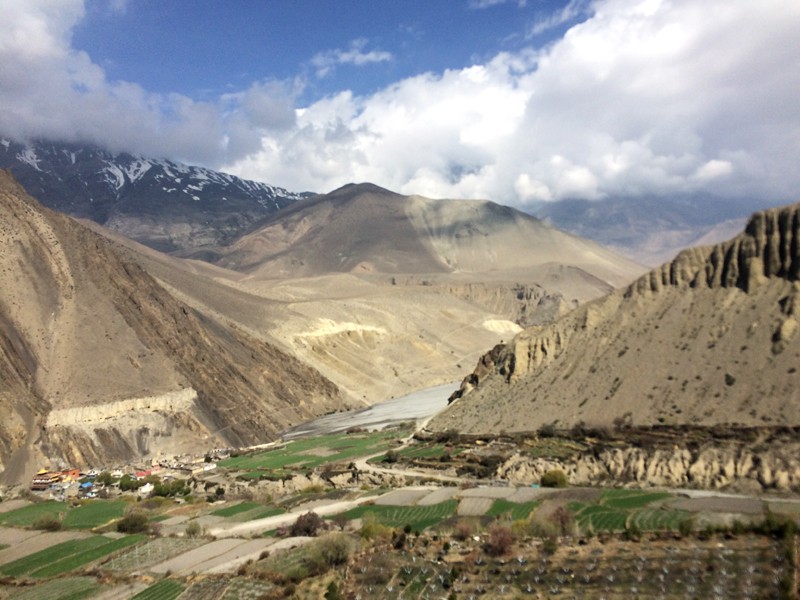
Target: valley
[609, 412]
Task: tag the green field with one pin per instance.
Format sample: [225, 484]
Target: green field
[418, 517]
[28, 515]
[95, 513]
[166, 589]
[67, 556]
[309, 453]
[72, 588]
[617, 510]
[516, 510]
[627, 499]
[89, 515]
[248, 511]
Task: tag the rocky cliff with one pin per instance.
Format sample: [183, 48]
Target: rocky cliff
[710, 337]
[86, 333]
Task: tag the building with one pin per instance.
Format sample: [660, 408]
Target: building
[44, 479]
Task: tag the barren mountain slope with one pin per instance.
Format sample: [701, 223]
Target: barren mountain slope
[366, 229]
[357, 283]
[711, 337]
[100, 363]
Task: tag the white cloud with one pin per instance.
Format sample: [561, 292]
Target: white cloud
[643, 97]
[326, 62]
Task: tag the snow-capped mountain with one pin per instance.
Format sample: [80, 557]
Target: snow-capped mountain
[164, 204]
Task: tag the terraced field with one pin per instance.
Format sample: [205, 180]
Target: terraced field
[166, 589]
[71, 588]
[618, 510]
[155, 551]
[306, 454]
[89, 515]
[418, 517]
[67, 556]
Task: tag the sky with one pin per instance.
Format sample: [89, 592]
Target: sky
[517, 101]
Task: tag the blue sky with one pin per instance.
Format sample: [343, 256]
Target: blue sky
[204, 48]
[517, 101]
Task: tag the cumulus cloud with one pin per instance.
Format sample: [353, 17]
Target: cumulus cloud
[326, 62]
[643, 97]
[650, 97]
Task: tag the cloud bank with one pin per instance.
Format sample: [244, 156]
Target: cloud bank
[644, 97]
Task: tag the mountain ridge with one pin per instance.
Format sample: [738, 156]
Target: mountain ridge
[710, 337]
[164, 204]
[69, 303]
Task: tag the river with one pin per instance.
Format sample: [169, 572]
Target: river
[416, 406]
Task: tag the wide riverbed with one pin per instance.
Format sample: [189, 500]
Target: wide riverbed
[413, 407]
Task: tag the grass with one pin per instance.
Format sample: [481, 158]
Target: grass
[79, 559]
[166, 589]
[627, 499]
[418, 517]
[94, 514]
[308, 453]
[67, 556]
[617, 510]
[72, 588]
[230, 511]
[516, 510]
[28, 515]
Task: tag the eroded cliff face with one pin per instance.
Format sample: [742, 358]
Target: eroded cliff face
[86, 335]
[731, 466]
[709, 337]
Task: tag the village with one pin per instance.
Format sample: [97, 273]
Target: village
[159, 477]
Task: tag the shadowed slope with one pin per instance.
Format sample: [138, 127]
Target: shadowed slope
[100, 363]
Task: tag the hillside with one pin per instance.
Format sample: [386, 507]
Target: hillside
[709, 338]
[364, 229]
[100, 363]
[163, 204]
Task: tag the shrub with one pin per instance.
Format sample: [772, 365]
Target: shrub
[372, 528]
[463, 531]
[563, 520]
[194, 529]
[555, 478]
[133, 522]
[308, 525]
[330, 551]
[47, 523]
[500, 540]
[391, 456]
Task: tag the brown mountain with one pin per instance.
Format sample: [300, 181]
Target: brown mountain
[362, 229]
[709, 338]
[99, 363]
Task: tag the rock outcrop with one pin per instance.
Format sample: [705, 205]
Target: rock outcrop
[728, 466]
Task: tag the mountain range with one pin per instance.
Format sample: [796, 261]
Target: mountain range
[160, 203]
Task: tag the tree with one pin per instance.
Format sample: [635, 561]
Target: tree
[563, 520]
[308, 524]
[133, 522]
[554, 478]
[500, 540]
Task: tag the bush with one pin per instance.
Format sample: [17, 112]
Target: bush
[391, 456]
[47, 523]
[563, 520]
[308, 525]
[500, 540]
[330, 551]
[134, 522]
[555, 478]
[194, 529]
